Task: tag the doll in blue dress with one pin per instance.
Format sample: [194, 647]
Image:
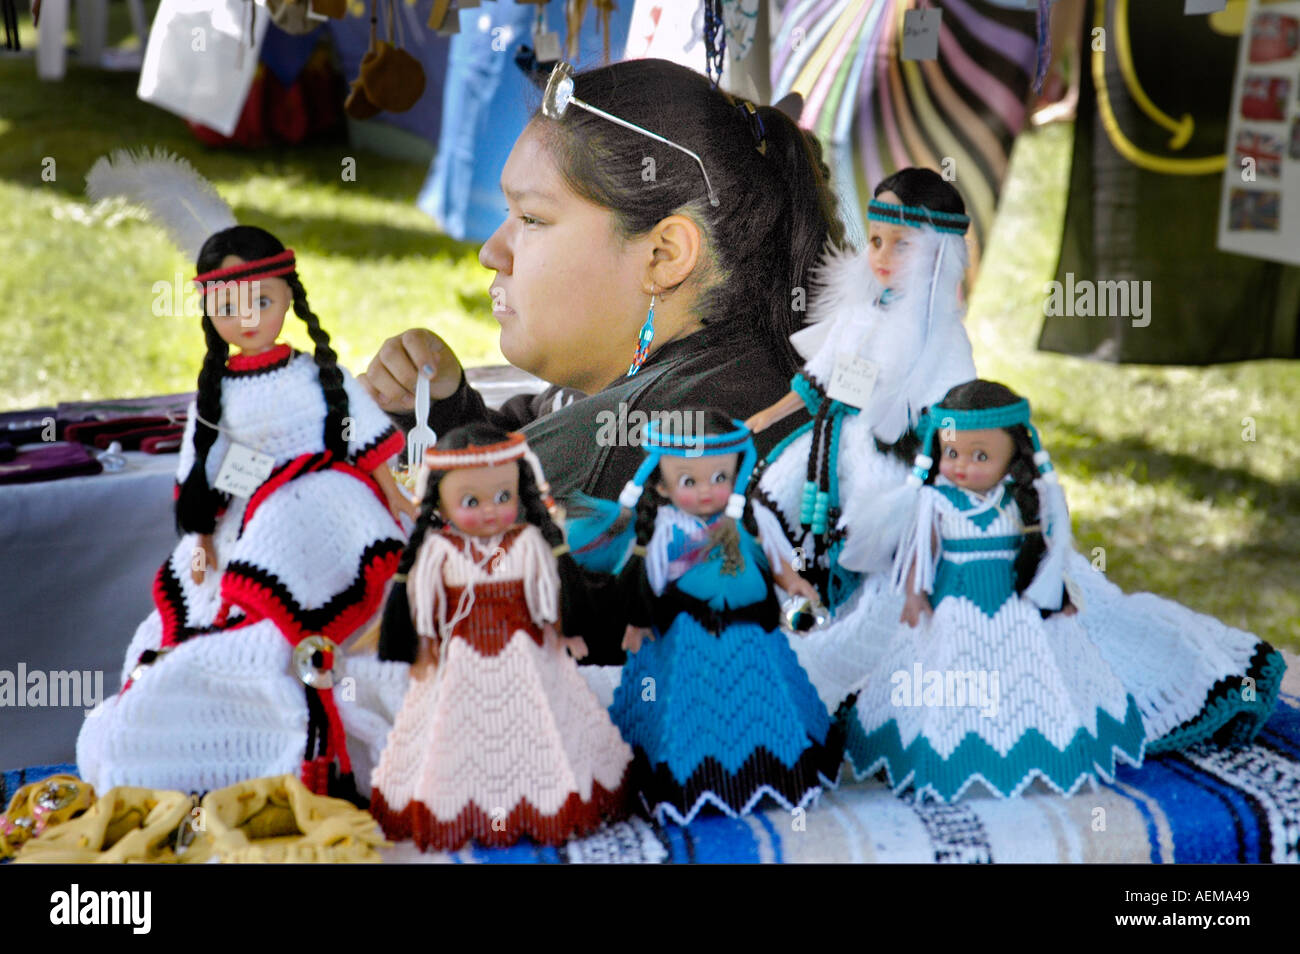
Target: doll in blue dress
[1014, 659]
[712, 699]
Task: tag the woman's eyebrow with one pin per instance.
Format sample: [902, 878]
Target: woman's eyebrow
[518, 194]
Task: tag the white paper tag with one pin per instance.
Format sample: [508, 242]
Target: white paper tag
[547, 45]
[243, 470]
[852, 380]
[921, 34]
[1193, 7]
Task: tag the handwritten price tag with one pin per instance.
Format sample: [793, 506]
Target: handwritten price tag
[921, 34]
[243, 470]
[852, 380]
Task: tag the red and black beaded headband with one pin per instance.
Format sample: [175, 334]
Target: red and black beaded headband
[273, 266]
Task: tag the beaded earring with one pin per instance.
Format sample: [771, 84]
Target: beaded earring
[643, 342]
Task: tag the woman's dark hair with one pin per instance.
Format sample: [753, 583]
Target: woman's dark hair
[979, 395]
[198, 503]
[397, 636]
[923, 187]
[776, 211]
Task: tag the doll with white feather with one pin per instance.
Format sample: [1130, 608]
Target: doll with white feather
[884, 340]
[290, 529]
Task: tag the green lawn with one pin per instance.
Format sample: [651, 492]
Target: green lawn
[1161, 482]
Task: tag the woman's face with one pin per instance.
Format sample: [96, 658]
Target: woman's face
[887, 245]
[568, 289]
[248, 315]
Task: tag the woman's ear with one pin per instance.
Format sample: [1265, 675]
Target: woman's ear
[675, 245]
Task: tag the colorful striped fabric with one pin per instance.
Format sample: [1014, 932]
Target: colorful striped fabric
[876, 114]
[1202, 805]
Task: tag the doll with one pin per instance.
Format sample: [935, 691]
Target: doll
[499, 735]
[711, 697]
[230, 677]
[884, 339]
[1001, 669]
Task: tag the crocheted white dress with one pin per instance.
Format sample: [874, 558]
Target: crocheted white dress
[503, 738]
[308, 553]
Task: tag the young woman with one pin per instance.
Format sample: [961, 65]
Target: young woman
[611, 237]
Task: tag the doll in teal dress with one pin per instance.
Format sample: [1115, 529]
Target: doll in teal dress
[712, 699]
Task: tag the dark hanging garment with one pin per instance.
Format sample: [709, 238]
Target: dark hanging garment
[1125, 223]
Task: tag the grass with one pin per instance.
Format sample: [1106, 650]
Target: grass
[1161, 483]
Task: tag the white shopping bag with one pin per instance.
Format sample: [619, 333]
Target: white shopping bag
[199, 63]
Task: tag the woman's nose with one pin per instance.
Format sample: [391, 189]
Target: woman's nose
[495, 253]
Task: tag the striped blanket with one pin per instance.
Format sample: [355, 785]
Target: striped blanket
[1201, 805]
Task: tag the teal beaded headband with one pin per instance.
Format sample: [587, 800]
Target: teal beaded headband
[939, 418]
[915, 216]
[658, 444]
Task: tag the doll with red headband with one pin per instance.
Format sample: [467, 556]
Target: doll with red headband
[499, 735]
[290, 531]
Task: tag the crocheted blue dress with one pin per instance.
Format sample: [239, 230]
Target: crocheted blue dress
[716, 706]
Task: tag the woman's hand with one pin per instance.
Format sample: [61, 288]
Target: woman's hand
[916, 605]
[390, 379]
[633, 635]
[204, 556]
[770, 415]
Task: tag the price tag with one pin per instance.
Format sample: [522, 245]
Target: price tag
[243, 470]
[547, 44]
[852, 380]
[1193, 7]
[921, 34]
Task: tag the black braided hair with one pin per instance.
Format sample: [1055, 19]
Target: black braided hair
[331, 378]
[980, 395]
[198, 503]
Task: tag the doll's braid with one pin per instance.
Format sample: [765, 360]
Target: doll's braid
[397, 638]
[1023, 472]
[331, 378]
[198, 503]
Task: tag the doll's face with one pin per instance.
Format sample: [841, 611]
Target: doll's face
[481, 501]
[698, 485]
[568, 289]
[976, 460]
[248, 316]
[887, 245]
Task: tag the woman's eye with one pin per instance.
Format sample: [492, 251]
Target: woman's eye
[720, 477]
[685, 481]
[528, 220]
[264, 302]
[469, 501]
[950, 453]
[875, 241]
[502, 497]
[981, 456]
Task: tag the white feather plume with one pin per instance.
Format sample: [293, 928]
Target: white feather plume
[185, 204]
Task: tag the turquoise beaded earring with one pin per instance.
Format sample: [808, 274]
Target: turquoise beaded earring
[643, 341]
